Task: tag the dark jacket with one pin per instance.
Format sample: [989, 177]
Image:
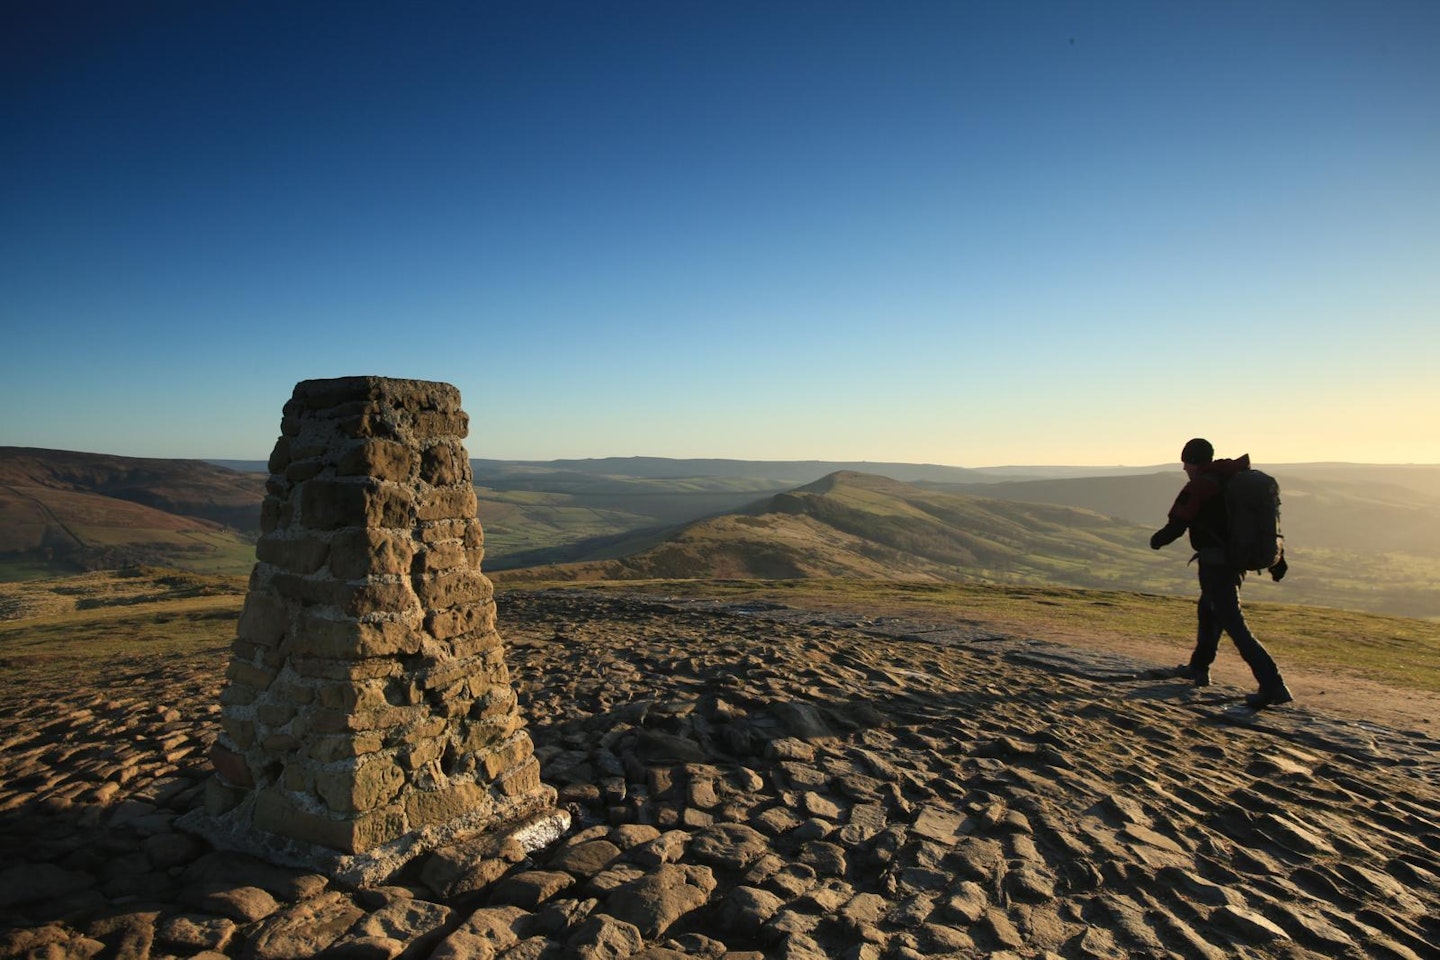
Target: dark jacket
[1200, 508]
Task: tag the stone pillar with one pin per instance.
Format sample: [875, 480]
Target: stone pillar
[368, 715]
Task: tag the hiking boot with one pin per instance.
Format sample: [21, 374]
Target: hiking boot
[1270, 694]
[1198, 676]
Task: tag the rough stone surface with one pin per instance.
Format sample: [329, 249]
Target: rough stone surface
[1090, 816]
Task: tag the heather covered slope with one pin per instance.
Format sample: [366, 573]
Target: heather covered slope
[75, 511]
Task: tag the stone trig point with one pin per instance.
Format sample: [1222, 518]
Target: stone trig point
[368, 715]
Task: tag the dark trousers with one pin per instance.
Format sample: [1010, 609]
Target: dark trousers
[1219, 610]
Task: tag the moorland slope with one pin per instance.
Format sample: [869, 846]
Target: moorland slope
[66, 511]
[858, 525]
[1358, 536]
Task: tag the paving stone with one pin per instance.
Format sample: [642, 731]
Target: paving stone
[1033, 811]
[658, 899]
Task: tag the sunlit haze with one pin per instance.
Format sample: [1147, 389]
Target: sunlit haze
[961, 233]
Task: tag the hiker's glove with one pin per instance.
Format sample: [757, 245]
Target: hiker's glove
[1277, 572]
[1166, 534]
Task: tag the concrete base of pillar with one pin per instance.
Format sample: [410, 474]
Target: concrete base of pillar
[533, 822]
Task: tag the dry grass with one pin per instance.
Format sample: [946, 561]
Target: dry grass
[55, 625]
[1394, 651]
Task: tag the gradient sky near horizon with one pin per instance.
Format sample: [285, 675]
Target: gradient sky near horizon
[949, 232]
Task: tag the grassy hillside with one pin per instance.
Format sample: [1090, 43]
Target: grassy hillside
[854, 525]
[1359, 537]
[539, 514]
[47, 627]
[62, 511]
[1355, 508]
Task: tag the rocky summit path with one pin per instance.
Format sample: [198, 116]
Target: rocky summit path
[756, 781]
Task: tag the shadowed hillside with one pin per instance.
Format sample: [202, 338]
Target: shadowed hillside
[80, 511]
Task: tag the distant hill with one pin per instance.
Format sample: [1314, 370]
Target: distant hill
[61, 510]
[858, 525]
[1371, 509]
[851, 524]
[788, 472]
[1359, 537]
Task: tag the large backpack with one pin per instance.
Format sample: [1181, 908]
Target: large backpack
[1252, 500]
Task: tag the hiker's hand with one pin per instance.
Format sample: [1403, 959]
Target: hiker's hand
[1157, 540]
[1277, 572]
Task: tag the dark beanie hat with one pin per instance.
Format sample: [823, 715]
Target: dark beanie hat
[1197, 451]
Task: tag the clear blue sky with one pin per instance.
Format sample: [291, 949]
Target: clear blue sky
[963, 233]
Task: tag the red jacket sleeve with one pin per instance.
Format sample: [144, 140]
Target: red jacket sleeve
[1192, 498]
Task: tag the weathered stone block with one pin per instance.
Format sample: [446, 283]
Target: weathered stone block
[279, 456]
[506, 755]
[240, 731]
[322, 720]
[444, 503]
[269, 514]
[301, 470]
[352, 696]
[479, 643]
[370, 782]
[230, 766]
[444, 555]
[334, 747]
[309, 591]
[298, 777]
[220, 797]
[381, 459]
[275, 812]
[467, 618]
[347, 638]
[426, 807]
[333, 504]
[442, 590]
[495, 701]
[237, 695]
[274, 715]
[448, 528]
[377, 596]
[522, 781]
[421, 751]
[492, 733]
[372, 424]
[321, 668]
[444, 464]
[361, 552]
[300, 555]
[474, 540]
[248, 675]
[333, 392]
[436, 425]
[279, 742]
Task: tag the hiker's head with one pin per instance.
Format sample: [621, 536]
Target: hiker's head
[1197, 453]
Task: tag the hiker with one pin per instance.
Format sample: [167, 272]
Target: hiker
[1200, 508]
